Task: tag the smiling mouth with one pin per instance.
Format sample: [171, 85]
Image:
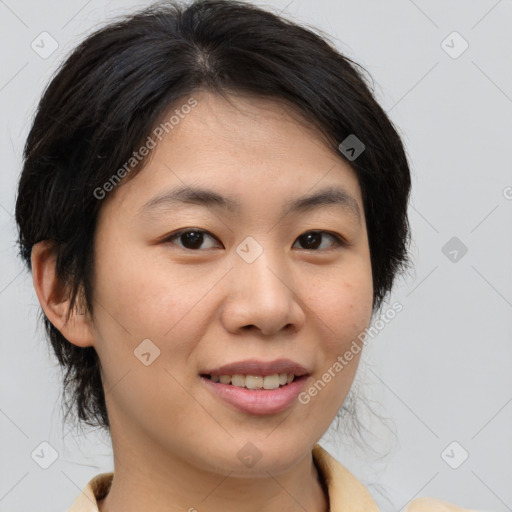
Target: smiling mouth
[255, 382]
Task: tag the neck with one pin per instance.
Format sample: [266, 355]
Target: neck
[167, 483]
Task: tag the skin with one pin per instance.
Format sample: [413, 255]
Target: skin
[175, 443]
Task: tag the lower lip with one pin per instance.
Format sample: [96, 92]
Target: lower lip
[258, 401]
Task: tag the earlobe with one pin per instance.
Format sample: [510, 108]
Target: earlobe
[54, 297]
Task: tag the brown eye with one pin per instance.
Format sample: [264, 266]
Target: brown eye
[191, 239]
[312, 240]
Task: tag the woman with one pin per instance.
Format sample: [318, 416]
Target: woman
[213, 206]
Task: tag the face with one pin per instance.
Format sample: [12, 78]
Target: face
[264, 281]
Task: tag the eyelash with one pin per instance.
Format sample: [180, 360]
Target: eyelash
[339, 241]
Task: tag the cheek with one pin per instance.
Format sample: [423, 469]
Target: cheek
[342, 304]
[135, 300]
[149, 294]
[341, 298]
[151, 298]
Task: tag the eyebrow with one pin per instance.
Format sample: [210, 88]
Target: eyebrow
[333, 195]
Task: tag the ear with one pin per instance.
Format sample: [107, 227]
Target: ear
[54, 297]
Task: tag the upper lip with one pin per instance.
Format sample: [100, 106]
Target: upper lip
[259, 368]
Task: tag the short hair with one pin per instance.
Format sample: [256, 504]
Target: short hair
[116, 86]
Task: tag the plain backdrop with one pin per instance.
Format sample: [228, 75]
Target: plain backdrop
[440, 371]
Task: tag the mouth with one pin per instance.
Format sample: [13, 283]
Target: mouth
[255, 387]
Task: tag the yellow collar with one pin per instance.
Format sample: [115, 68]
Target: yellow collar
[345, 491]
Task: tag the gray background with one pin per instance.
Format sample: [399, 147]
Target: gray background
[441, 370]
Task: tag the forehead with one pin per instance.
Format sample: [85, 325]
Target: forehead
[249, 149]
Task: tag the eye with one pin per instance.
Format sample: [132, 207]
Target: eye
[191, 239]
[312, 240]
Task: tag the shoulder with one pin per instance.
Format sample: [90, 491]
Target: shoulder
[97, 488]
[346, 492]
[434, 505]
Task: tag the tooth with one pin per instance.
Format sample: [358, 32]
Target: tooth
[238, 380]
[225, 379]
[271, 381]
[253, 382]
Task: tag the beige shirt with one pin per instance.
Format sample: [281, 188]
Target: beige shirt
[346, 493]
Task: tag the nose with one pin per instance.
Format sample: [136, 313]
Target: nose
[262, 296]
